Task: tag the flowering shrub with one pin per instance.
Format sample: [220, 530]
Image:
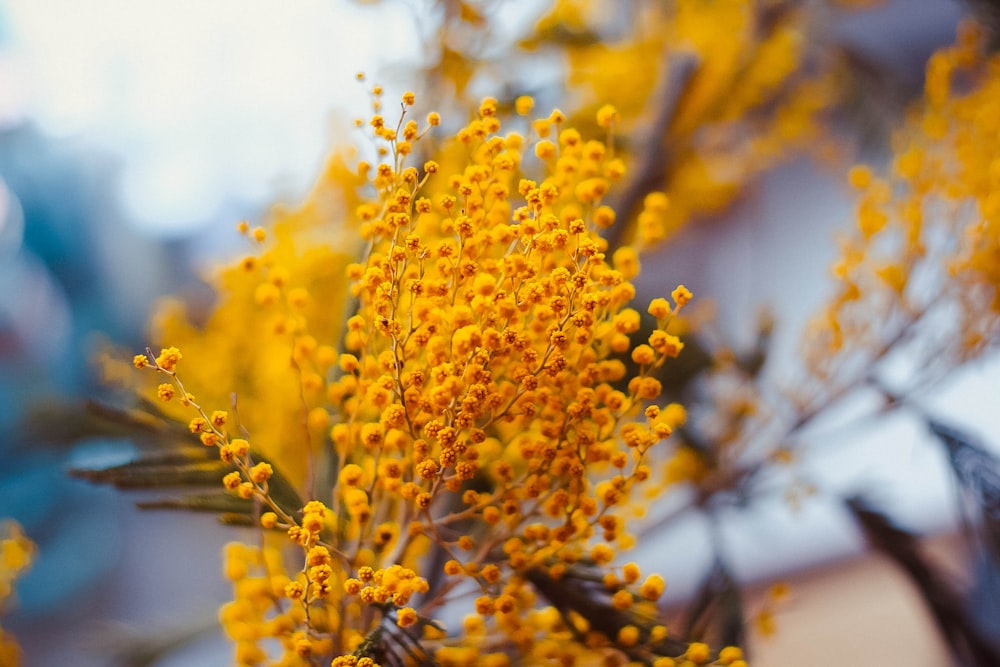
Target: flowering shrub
[464, 426]
[471, 431]
[432, 394]
[923, 250]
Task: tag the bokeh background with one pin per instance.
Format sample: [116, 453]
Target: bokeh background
[134, 135]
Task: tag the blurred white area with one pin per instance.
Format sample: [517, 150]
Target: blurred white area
[206, 104]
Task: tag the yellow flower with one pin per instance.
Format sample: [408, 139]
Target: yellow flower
[652, 587]
[698, 653]
[168, 358]
[406, 617]
[607, 115]
[524, 104]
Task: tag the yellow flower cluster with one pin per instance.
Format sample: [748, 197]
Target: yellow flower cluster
[261, 336]
[470, 431]
[734, 75]
[927, 243]
[709, 94]
[16, 553]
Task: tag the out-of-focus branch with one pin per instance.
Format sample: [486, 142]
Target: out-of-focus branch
[650, 168]
[945, 604]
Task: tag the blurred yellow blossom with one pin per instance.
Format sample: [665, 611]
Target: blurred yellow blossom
[16, 554]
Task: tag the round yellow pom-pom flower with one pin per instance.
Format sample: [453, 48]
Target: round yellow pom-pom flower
[524, 104]
[168, 358]
[406, 617]
[697, 652]
[607, 115]
[652, 588]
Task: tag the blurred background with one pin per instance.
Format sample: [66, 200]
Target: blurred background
[134, 136]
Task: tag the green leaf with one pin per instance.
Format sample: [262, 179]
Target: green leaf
[219, 503]
[168, 458]
[142, 474]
